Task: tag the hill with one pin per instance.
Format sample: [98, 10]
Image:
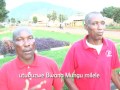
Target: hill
[26, 10]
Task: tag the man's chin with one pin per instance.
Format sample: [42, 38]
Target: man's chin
[29, 57]
[99, 37]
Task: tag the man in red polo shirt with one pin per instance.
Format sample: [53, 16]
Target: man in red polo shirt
[92, 60]
[29, 71]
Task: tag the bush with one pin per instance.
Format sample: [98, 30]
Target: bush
[47, 43]
[6, 46]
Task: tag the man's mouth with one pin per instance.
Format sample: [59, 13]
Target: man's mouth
[27, 51]
[100, 33]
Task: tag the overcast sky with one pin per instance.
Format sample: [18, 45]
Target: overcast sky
[80, 5]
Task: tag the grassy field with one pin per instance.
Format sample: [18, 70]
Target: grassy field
[56, 35]
[113, 27]
[47, 34]
[57, 55]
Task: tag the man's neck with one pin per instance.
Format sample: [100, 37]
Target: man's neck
[94, 42]
[27, 62]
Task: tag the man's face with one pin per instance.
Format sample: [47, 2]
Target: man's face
[96, 27]
[25, 45]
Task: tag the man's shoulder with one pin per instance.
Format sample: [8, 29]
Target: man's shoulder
[46, 60]
[8, 65]
[109, 42]
[78, 43]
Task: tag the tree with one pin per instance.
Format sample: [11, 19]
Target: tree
[18, 21]
[112, 12]
[35, 19]
[62, 17]
[54, 16]
[49, 16]
[13, 20]
[3, 11]
[117, 15]
[109, 12]
[8, 20]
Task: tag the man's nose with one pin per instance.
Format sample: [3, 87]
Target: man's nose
[100, 26]
[26, 43]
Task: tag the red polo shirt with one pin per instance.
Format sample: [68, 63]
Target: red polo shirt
[91, 71]
[14, 73]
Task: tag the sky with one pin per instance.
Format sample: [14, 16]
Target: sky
[80, 5]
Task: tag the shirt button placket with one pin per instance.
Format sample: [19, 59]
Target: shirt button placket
[28, 67]
[30, 78]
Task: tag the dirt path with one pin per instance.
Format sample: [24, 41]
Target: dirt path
[107, 33]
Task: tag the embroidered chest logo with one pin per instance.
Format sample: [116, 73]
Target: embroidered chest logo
[108, 53]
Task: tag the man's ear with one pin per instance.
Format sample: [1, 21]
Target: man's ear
[86, 26]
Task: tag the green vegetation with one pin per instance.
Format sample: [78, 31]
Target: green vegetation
[56, 35]
[2, 27]
[52, 16]
[112, 12]
[6, 59]
[111, 27]
[57, 55]
[3, 11]
[48, 34]
[118, 48]
[35, 19]
[7, 34]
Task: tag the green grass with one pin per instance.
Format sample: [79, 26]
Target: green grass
[6, 59]
[116, 40]
[7, 34]
[118, 48]
[49, 34]
[2, 28]
[57, 55]
[56, 35]
[113, 27]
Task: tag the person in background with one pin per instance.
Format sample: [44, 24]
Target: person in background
[92, 61]
[28, 70]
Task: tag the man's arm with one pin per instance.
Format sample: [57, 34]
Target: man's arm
[57, 81]
[3, 80]
[68, 66]
[70, 84]
[116, 78]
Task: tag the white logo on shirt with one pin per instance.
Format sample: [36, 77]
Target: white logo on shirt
[108, 53]
[38, 86]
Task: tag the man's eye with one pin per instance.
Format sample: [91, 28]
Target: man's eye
[103, 23]
[96, 23]
[19, 39]
[30, 38]
[93, 23]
